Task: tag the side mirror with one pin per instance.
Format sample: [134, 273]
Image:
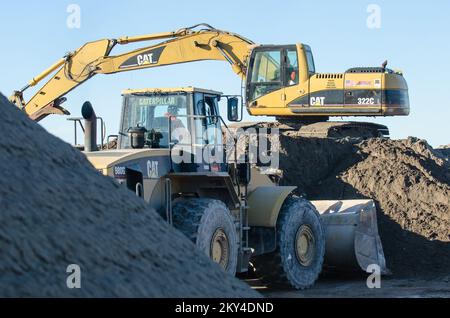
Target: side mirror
[233, 109]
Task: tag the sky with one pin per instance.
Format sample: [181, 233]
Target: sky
[412, 36]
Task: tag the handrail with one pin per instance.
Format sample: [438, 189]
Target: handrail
[79, 120]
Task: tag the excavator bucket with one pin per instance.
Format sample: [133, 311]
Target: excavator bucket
[352, 239]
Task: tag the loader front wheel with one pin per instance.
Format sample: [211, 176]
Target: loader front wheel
[298, 259]
[210, 226]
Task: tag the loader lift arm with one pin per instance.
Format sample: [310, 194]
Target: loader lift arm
[196, 43]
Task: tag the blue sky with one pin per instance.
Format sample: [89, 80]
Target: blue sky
[413, 37]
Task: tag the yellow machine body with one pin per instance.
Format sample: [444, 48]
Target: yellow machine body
[280, 80]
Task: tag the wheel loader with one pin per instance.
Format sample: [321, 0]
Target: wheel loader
[171, 152]
[278, 80]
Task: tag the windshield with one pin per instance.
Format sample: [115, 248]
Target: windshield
[153, 112]
[310, 60]
[265, 74]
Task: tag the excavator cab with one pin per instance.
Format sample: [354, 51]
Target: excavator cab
[275, 71]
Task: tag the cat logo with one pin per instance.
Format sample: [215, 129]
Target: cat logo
[317, 101]
[152, 169]
[148, 57]
[145, 59]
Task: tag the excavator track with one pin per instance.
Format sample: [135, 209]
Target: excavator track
[344, 129]
[325, 129]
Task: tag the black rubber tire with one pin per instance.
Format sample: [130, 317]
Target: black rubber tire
[199, 218]
[282, 269]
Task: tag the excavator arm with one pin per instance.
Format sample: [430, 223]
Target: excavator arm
[185, 45]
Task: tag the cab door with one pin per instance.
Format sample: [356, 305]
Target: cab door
[297, 70]
[265, 89]
[208, 133]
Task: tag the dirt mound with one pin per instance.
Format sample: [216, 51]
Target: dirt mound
[307, 162]
[411, 184]
[444, 151]
[409, 180]
[53, 213]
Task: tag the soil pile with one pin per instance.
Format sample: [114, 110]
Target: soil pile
[445, 151]
[57, 210]
[408, 179]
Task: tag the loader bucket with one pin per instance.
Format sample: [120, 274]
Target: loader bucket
[352, 239]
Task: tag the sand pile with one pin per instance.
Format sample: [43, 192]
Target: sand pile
[53, 213]
[409, 180]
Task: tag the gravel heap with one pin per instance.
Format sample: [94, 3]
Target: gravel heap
[56, 210]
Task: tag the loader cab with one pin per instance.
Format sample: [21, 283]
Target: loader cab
[275, 70]
[186, 118]
[152, 112]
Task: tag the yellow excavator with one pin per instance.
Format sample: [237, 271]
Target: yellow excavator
[280, 80]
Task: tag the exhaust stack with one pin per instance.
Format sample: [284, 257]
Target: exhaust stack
[90, 127]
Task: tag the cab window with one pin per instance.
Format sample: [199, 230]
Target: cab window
[310, 60]
[153, 112]
[208, 125]
[266, 73]
[292, 74]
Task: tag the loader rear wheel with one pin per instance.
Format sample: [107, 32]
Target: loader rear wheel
[210, 226]
[298, 259]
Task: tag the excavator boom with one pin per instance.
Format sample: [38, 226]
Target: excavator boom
[182, 46]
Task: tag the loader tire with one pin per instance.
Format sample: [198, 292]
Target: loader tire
[210, 226]
[298, 259]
